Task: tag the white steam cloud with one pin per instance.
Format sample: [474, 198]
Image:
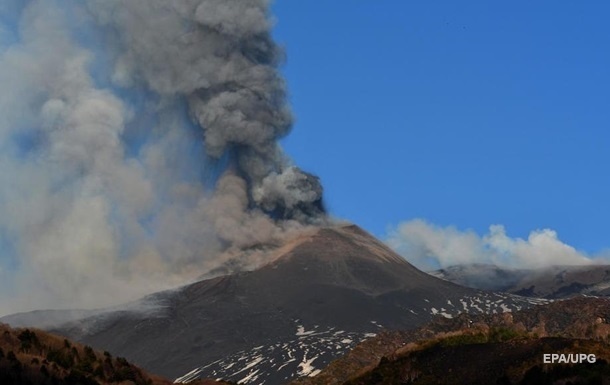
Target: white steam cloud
[431, 247]
[138, 147]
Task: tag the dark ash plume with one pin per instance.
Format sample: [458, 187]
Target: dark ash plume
[139, 147]
[219, 56]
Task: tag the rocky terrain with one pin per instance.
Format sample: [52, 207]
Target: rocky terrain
[470, 345]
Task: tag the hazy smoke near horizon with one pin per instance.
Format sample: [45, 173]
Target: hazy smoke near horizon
[139, 141]
[430, 247]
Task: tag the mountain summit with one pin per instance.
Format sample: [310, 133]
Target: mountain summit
[323, 293]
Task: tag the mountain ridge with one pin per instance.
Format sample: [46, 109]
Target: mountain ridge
[320, 295]
[553, 282]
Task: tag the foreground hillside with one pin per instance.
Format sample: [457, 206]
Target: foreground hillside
[34, 357]
[500, 358]
[579, 325]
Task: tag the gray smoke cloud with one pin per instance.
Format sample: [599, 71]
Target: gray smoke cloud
[139, 147]
[219, 56]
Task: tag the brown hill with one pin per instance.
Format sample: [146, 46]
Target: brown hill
[34, 357]
[30, 356]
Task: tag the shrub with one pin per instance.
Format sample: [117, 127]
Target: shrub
[61, 358]
[124, 373]
[78, 378]
[28, 339]
[464, 339]
[502, 334]
[11, 356]
[74, 352]
[85, 366]
[99, 372]
[90, 354]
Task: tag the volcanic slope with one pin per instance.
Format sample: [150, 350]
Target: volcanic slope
[324, 293]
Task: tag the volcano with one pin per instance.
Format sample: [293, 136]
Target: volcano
[323, 293]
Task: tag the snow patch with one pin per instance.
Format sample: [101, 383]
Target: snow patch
[306, 368]
[301, 331]
[190, 376]
[250, 377]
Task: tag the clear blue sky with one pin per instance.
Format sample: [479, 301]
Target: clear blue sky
[462, 113]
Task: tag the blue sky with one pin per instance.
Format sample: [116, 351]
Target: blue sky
[458, 133]
[461, 113]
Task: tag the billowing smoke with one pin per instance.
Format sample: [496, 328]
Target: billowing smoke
[431, 247]
[219, 57]
[139, 147]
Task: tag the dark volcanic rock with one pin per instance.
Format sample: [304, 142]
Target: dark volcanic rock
[324, 293]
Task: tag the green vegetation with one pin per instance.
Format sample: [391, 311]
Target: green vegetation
[495, 334]
[28, 341]
[61, 357]
[500, 334]
[464, 339]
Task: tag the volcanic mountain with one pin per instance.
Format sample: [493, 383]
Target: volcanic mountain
[323, 293]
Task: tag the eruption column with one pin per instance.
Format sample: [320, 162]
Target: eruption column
[111, 112]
